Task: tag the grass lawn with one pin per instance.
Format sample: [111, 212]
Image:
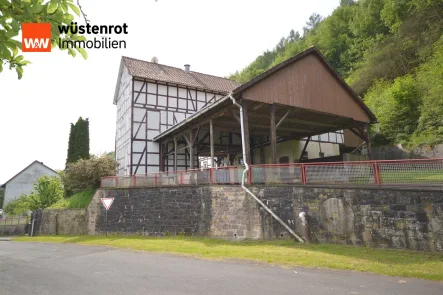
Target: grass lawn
[284, 253]
[78, 200]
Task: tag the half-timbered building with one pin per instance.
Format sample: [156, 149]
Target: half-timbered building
[176, 119]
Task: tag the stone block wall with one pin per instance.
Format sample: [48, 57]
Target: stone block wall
[157, 211]
[60, 222]
[409, 218]
[13, 230]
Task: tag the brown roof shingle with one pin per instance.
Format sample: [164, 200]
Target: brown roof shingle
[159, 72]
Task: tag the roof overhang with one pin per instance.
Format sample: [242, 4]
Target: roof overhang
[293, 123]
[310, 51]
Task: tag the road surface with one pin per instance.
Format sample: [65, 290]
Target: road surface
[35, 268]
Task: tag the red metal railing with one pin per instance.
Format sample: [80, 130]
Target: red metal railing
[14, 220]
[396, 172]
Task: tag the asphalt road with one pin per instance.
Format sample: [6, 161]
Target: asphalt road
[33, 268]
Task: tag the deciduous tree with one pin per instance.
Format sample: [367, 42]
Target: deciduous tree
[15, 12]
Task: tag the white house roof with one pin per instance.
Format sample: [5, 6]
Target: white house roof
[41, 163]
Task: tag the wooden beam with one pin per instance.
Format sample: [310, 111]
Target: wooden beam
[191, 151]
[162, 159]
[273, 132]
[292, 120]
[246, 131]
[358, 134]
[304, 148]
[175, 153]
[282, 119]
[196, 135]
[368, 142]
[234, 115]
[211, 141]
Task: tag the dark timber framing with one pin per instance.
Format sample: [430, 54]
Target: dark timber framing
[170, 103]
[273, 131]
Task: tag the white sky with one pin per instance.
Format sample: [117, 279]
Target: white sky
[214, 37]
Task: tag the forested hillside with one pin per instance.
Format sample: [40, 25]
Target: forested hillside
[390, 52]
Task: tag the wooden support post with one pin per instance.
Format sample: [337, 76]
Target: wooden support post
[211, 142]
[162, 159]
[175, 153]
[273, 135]
[304, 148]
[368, 143]
[246, 131]
[191, 150]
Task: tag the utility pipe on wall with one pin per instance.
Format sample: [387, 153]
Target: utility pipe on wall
[246, 171]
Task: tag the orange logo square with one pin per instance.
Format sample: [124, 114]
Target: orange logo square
[36, 37]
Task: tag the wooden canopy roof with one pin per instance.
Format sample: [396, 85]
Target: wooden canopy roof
[307, 96]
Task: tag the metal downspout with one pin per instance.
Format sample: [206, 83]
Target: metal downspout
[246, 171]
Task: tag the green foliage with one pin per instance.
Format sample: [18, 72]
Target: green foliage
[389, 51]
[46, 191]
[78, 147]
[396, 106]
[85, 173]
[430, 84]
[78, 200]
[19, 206]
[15, 12]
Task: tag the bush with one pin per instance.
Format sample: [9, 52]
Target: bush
[19, 206]
[85, 173]
[46, 191]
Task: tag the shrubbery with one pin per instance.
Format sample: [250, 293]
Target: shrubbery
[85, 173]
[47, 191]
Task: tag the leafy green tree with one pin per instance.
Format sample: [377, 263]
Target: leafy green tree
[389, 51]
[312, 23]
[19, 206]
[78, 146]
[396, 106]
[86, 173]
[430, 84]
[15, 12]
[47, 191]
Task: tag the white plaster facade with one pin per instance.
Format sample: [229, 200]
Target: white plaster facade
[23, 182]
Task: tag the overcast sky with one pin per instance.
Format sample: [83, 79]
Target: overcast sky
[214, 37]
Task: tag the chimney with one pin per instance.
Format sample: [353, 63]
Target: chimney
[154, 60]
[187, 68]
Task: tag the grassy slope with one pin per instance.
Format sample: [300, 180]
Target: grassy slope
[285, 253]
[78, 200]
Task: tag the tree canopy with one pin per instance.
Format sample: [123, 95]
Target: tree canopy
[78, 146]
[391, 54]
[15, 12]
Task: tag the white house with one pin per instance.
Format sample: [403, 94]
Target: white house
[23, 182]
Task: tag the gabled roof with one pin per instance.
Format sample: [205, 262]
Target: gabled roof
[4, 185]
[295, 58]
[158, 72]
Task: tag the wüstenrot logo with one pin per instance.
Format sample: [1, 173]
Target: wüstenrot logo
[36, 37]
